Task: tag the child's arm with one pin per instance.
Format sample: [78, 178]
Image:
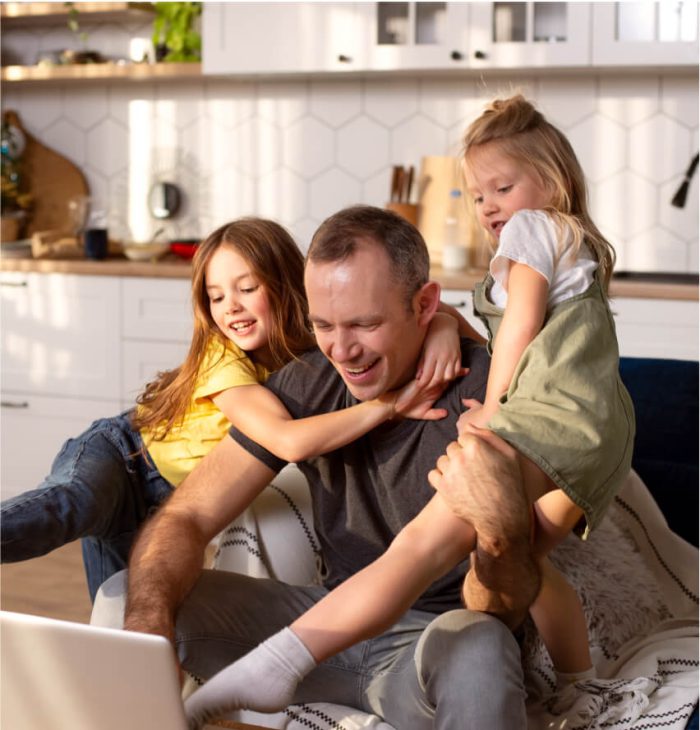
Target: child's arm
[261, 416]
[373, 599]
[522, 320]
[463, 327]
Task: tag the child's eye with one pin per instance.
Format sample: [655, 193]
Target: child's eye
[505, 189]
[215, 300]
[248, 289]
[478, 200]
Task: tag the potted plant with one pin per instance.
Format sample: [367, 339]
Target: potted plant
[82, 54]
[176, 35]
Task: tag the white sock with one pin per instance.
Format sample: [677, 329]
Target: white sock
[564, 679]
[264, 680]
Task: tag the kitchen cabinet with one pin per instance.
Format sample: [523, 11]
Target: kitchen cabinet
[76, 348]
[416, 35]
[656, 328]
[645, 33]
[529, 34]
[463, 301]
[240, 38]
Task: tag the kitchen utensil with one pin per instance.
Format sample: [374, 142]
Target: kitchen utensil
[52, 180]
[149, 251]
[678, 200]
[186, 248]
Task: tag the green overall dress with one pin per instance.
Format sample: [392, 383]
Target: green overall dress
[566, 408]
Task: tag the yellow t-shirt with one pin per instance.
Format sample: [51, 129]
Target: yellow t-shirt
[204, 425]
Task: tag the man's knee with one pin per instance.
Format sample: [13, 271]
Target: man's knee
[470, 661]
[110, 601]
[465, 638]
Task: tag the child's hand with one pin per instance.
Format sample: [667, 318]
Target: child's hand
[415, 400]
[441, 361]
[479, 414]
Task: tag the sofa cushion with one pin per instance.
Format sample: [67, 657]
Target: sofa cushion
[665, 396]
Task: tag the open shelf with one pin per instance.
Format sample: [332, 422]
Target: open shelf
[98, 71]
[24, 14]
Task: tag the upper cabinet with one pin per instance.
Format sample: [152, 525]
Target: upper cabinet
[422, 35]
[529, 34]
[240, 38]
[645, 33]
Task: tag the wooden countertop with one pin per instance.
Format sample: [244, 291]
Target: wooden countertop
[172, 267]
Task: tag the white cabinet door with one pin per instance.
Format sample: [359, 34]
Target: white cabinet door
[33, 430]
[156, 309]
[529, 34]
[463, 301]
[156, 328]
[416, 35]
[60, 334]
[142, 361]
[273, 37]
[656, 328]
[645, 33]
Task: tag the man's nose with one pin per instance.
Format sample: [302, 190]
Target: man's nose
[344, 346]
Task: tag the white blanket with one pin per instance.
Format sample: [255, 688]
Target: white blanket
[638, 582]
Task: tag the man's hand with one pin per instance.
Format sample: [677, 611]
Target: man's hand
[479, 477]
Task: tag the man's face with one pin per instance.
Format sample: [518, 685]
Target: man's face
[361, 321]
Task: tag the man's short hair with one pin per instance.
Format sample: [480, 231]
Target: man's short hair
[339, 236]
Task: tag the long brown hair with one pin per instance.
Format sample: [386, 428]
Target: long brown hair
[278, 265]
[528, 138]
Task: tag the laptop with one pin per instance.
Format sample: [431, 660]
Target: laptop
[59, 675]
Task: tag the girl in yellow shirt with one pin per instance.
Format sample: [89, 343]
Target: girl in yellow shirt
[250, 318]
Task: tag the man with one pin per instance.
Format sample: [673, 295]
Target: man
[370, 302]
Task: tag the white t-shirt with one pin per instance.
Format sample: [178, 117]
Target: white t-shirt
[531, 237]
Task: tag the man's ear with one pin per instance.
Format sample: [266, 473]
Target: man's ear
[426, 302]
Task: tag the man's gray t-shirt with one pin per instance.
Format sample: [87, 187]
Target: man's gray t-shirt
[364, 493]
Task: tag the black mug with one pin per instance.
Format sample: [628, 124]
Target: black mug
[95, 240]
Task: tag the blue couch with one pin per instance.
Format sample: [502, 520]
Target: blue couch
[665, 396]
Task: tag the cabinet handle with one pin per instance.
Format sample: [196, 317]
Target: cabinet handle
[480, 55]
[14, 404]
[13, 283]
[457, 56]
[342, 58]
[457, 305]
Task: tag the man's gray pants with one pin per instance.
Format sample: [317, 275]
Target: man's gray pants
[459, 670]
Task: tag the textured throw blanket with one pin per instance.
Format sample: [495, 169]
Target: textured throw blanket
[638, 582]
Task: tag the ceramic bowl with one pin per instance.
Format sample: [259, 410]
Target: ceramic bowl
[145, 251]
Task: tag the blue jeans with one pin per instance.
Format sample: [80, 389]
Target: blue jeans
[101, 488]
[459, 670]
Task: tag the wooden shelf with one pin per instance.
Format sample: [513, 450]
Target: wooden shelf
[24, 14]
[101, 71]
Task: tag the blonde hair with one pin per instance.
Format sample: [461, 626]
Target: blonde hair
[278, 265]
[528, 138]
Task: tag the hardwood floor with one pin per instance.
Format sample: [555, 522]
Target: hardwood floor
[53, 586]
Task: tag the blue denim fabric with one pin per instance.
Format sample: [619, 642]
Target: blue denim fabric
[101, 488]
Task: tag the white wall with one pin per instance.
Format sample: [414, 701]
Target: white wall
[299, 149]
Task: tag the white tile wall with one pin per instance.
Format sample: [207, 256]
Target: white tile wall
[297, 150]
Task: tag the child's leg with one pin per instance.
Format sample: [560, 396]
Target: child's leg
[557, 612]
[365, 605]
[377, 596]
[560, 621]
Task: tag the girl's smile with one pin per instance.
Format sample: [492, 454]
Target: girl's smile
[238, 302]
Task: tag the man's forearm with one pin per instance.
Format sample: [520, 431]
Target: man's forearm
[164, 565]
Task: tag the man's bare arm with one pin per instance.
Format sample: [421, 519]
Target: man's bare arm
[168, 555]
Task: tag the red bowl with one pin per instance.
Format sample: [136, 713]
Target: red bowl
[185, 249]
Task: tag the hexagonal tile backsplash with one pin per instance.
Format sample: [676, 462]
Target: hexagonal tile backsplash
[297, 150]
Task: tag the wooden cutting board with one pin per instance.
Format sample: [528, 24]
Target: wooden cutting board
[52, 180]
